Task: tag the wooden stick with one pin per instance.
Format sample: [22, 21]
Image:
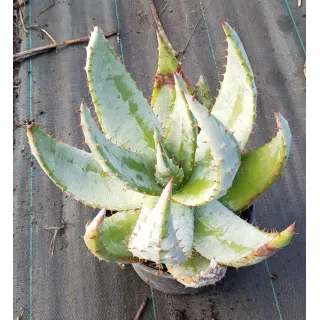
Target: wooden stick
[36, 27]
[139, 312]
[49, 36]
[32, 52]
[19, 317]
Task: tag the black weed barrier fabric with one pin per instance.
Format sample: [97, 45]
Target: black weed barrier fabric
[72, 284]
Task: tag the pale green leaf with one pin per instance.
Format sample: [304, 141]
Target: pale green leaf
[165, 166]
[133, 168]
[231, 241]
[235, 105]
[181, 133]
[116, 96]
[75, 172]
[224, 147]
[154, 237]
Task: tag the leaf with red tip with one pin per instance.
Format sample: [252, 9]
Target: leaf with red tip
[128, 166]
[154, 236]
[164, 93]
[231, 241]
[115, 96]
[235, 105]
[76, 173]
[217, 165]
[181, 133]
[106, 237]
[259, 168]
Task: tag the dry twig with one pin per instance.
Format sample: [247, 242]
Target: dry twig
[22, 21]
[51, 5]
[23, 3]
[56, 229]
[49, 35]
[159, 27]
[162, 32]
[140, 310]
[163, 10]
[194, 29]
[24, 6]
[19, 317]
[32, 52]
[36, 27]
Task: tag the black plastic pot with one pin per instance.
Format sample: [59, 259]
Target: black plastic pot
[164, 281]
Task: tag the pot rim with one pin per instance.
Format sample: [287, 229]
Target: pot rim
[164, 282]
[147, 268]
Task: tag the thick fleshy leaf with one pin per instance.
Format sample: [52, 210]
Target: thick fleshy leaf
[163, 94]
[259, 169]
[197, 271]
[231, 241]
[235, 106]
[106, 237]
[165, 167]
[203, 94]
[154, 237]
[116, 230]
[224, 147]
[130, 167]
[181, 133]
[202, 186]
[75, 172]
[115, 96]
[167, 62]
[183, 224]
[182, 219]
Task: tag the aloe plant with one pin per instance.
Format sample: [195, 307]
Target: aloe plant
[174, 173]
